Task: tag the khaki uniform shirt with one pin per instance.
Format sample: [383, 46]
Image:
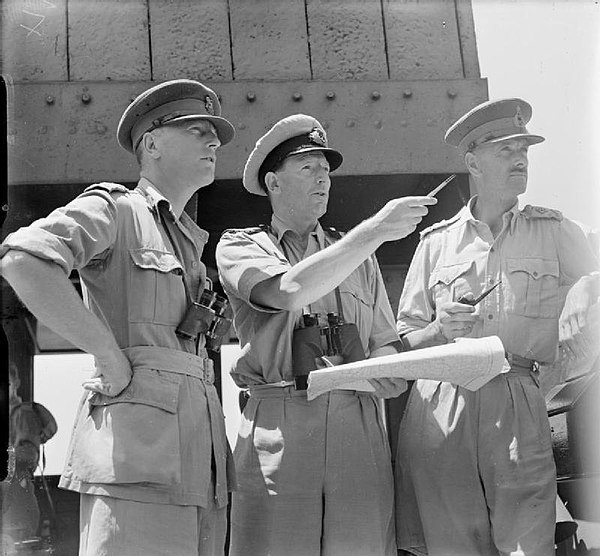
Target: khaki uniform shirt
[247, 257]
[132, 255]
[538, 255]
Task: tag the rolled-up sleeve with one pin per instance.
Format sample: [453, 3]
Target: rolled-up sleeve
[416, 307]
[243, 264]
[70, 236]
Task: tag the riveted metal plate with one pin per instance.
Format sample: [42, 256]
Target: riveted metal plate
[381, 127]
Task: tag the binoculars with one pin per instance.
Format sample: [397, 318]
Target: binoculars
[312, 341]
[206, 316]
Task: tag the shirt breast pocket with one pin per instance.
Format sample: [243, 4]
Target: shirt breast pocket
[156, 287]
[533, 287]
[448, 283]
[356, 298]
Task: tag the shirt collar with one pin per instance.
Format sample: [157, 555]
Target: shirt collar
[279, 228]
[156, 199]
[466, 213]
[153, 196]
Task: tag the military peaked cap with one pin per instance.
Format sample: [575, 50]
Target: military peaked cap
[292, 135]
[490, 122]
[168, 102]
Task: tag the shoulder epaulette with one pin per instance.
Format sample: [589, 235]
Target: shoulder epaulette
[532, 211]
[333, 232]
[109, 187]
[439, 225]
[250, 231]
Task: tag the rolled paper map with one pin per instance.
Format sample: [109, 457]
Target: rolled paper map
[466, 362]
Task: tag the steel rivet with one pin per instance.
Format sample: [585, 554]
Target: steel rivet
[49, 99]
[375, 95]
[250, 97]
[86, 98]
[451, 93]
[330, 95]
[297, 97]
[407, 93]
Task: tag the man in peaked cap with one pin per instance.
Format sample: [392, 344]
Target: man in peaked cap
[149, 453]
[314, 477]
[475, 472]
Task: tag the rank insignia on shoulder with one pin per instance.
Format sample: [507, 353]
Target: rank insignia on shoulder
[250, 231]
[108, 186]
[439, 225]
[532, 211]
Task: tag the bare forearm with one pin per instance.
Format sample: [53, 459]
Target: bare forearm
[320, 273]
[49, 295]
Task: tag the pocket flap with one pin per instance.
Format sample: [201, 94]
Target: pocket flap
[447, 274]
[363, 295]
[536, 268]
[146, 387]
[163, 261]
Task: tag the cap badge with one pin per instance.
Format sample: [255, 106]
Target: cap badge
[317, 136]
[208, 104]
[518, 119]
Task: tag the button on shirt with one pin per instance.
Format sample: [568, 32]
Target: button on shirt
[248, 257]
[131, 252]
[83, 235]
[537, 255]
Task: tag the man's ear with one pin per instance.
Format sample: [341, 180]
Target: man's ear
[150, 145]
[472, 164]
[272, 182]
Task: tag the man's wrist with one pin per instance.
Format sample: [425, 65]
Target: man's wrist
[367, 233]
[437, 335]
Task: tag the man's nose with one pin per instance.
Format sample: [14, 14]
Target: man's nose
[323, 175]
[521, 160]
[214, 142]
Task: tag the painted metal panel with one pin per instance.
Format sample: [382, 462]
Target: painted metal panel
[423, 39]
[72, 138]
[346, 39]
[190, 39]
[34, 38]
[109, 40]
[382, 127]
[269, 39]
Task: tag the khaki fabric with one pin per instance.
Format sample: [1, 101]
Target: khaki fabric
[315, 477]
[247, 257]
[115, 527]
[132, 255]
[474, 470]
